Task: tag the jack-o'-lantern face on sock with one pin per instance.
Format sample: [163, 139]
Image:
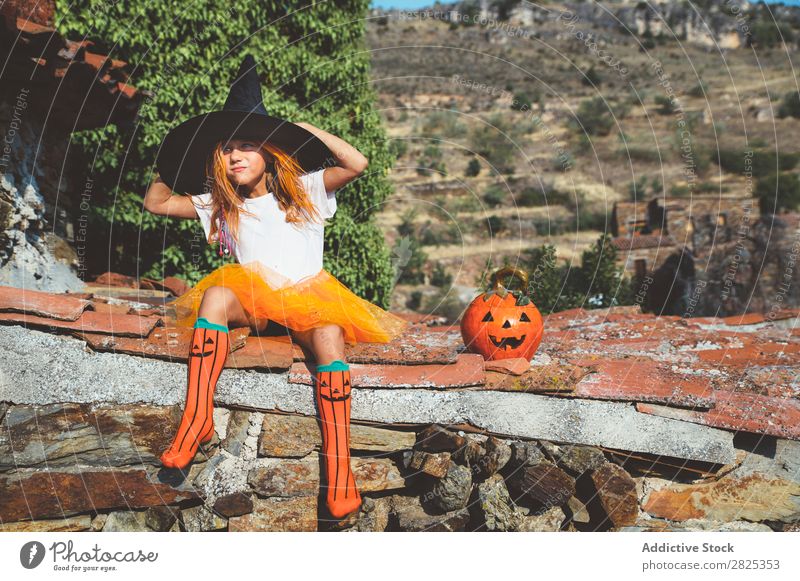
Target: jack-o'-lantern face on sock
[206, 349]
[334, 385]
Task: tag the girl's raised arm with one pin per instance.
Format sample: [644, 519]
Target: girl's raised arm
[160, 200]
[351, 163]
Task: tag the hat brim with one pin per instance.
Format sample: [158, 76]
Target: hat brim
[182, 157]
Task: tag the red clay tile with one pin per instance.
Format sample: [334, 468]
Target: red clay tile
[759, 354]
[175, 285]
[50, 305]
[103, 307]
[116, 279]
[270, 353]
[550, 379]
[643, 380]
[754, 318]
[90, 322]
[747, 412]
[515, 366]
[169, 343]
[466, 371]
[418, 345]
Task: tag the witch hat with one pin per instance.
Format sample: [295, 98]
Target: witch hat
[181, 160]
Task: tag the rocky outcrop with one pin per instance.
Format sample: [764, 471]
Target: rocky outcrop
[51, 86]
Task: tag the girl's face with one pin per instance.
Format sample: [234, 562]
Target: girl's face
[245, 163]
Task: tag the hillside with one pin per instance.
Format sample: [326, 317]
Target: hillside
[613, 107]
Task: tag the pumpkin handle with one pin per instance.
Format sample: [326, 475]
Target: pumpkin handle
[505, 272]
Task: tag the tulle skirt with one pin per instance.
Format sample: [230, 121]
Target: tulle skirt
[314, 301]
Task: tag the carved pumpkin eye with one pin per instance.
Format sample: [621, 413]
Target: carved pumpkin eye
[524, 317]
[488, 318]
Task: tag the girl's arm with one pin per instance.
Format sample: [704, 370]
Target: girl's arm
[160, 200]
[351, 163]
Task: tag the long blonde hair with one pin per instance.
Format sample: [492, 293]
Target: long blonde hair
[284, 183]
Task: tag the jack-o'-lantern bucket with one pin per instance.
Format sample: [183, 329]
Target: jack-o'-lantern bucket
[503, 323]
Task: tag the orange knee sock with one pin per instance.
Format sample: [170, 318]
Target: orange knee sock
[208, 351]
[333, 400]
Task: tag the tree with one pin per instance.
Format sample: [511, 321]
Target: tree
[599, 280]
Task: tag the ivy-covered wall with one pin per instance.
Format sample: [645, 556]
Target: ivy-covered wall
[314, 67]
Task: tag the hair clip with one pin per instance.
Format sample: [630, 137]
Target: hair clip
[225, 240]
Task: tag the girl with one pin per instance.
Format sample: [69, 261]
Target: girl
[269, 215]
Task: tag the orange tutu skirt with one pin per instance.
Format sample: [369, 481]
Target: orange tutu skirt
[313, 301]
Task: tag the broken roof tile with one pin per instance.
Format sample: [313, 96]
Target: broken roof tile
[168, 343]
[760, 414]
[553, 378]
[419, 344]
[91, 322]
[512, 366]
[57, 306]
[645, 380]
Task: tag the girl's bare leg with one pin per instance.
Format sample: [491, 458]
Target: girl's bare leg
[325, 344]
[220, 305]
[332, 390]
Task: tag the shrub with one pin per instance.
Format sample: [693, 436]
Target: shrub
[473, 168]
[666, 106]
[495, 196]
[440, 276]
[430, 161]
[495, 224]
[594, 117]
[790, 107]
[778, 192]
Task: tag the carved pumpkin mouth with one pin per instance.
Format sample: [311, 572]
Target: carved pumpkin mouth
[507, 342]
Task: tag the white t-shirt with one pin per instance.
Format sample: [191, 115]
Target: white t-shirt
[292, 250]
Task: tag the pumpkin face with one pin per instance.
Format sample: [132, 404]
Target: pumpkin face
[204, 351]
[332, 388]
[501, 325]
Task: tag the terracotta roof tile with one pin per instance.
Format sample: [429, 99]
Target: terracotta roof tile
[747, 412]
[90, 321]
[64, 307]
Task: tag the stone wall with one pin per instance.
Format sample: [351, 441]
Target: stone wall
[95, 468]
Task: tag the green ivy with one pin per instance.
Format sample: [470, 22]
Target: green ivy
[314, 67]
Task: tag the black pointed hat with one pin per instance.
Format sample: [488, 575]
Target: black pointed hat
[181, 160]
